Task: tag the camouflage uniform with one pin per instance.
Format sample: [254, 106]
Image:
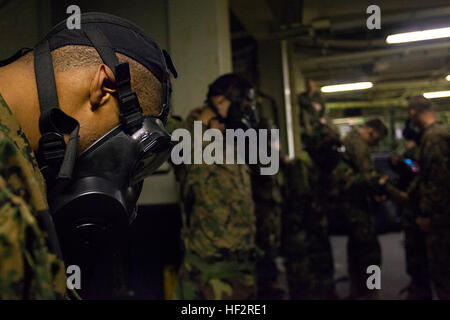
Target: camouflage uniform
[317, 139]
[319, 244]
[295, 235]
[310, 276]
[434, 202]
[306, 243]
[325, 156]
[27, 269]
[414, 238]
[309, 116]
[219, 232]
[357, 181]
[267, 198]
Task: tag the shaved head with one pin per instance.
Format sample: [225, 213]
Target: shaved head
[143, 82]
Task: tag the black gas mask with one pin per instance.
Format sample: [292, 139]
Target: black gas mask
[92, 196]
[242, 113]
[411, 132]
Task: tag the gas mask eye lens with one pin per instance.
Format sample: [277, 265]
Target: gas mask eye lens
[154, 144]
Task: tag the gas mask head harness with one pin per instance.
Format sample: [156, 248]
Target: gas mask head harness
[242, 112]
[92, 197]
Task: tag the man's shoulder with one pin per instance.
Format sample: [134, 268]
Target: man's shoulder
[438, 130]
[438, 133]
[18, 165]
[12, 133]
[353, 140]
[22, 191]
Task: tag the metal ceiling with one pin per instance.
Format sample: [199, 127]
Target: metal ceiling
[331, 44]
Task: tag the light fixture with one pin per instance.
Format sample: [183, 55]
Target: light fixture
[418, 35]
[347, 87]
[447, 78]
[436, 94]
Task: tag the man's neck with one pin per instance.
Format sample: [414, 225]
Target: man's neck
[18, 88]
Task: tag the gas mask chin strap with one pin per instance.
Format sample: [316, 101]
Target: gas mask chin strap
[55, 158]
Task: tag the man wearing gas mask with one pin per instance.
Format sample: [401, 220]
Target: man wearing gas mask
[432, 191]
[406, 166]
[219, 221]
[86, 108]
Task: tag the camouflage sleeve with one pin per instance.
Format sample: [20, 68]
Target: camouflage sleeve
[367, 176]
[218, 212]
[359, 154]
[434, 177]
[202, 207]
[27, 269]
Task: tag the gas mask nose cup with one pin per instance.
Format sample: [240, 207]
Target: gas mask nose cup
[100, 201]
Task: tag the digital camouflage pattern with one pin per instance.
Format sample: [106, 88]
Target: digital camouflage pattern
[356, 174]
[434, 202]
[355, 182]
[228, 278]
[219, 232]
[319, 244]
[435, 173]
[325, 155]
[297, 195]
[27, 269]
[319, 140]
[306, 243]
[414, 239]
[268, 200]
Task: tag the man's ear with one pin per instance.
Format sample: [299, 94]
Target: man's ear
[102, 86]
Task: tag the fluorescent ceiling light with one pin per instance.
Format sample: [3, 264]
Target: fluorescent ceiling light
[347, 87]
[447, 78]
[436, 94]
[419, 35]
